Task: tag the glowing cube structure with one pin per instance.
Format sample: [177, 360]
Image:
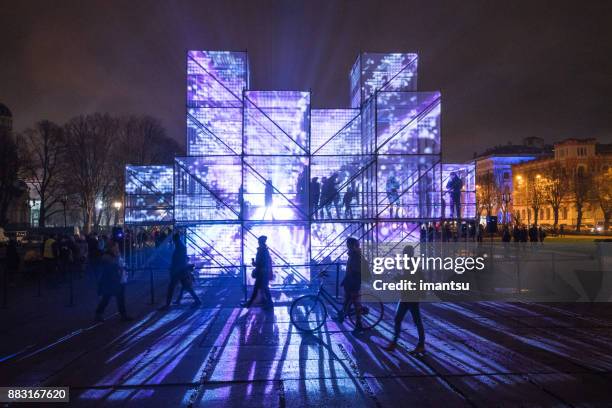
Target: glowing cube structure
[266, 163]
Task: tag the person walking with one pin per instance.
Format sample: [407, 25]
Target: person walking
[405, 305]
[112, 282]
[262, 274]
[315, 195]
[352, 283]
[180, 271]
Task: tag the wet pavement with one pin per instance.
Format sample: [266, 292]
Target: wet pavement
[479, 354]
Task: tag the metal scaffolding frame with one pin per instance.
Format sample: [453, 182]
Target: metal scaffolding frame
[266, 163]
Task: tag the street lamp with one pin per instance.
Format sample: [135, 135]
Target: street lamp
[117, 206]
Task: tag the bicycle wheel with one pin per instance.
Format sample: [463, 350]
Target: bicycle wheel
[308, 313]
[372, 311]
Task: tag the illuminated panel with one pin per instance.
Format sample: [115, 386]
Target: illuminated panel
[148, 194]
[214, 131]
[207, 188]
[335, 131]
[215, 84]
[387, 72]
[215, 247]
[393, 236]
[408, 122]
[467, 174]
[216, 78]
[289, 248]
[336, 177]
[277, 122]
[276, 188]
[328, 240]
[408, 187]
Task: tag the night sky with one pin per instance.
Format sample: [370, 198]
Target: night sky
[507, 70]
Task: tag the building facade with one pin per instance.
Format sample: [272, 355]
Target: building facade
[568, 178]
[494, 180]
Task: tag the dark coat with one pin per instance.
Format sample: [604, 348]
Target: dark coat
[263, 265]
[179, 265]
[110, 279]
[354, 267]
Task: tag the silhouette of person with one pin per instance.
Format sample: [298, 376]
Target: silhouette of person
[301, 188]
[454, 187]
[262, 273]
[268, 200]
[393, 194]
[180, 271]
[352, 283]
[403, 306]
[347, 201]
[323, 197]
[315, 194]
[330, 196]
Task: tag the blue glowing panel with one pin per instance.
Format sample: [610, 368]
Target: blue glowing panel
[276, 188]
[408, 122]
[382, 72]
[214, 131]
[408, 187]
[148, 194]
[216, 78]
[467, 174]
[289, 249]
[328, 240]
[341, 182]
[277, 122]
[207, 188]
[215, 248]
[393, 236]
[335, 131]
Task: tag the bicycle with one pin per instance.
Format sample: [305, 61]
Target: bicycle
[308, 313]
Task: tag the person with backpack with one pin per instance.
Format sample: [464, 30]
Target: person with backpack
[262, 274]
[112, 282]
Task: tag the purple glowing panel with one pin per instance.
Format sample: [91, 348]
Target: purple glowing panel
[393, 236]
[408, 186]
[275, 188]
[277, 122]
[335, 131]
[328, 240]
[214, 131]
[408, 122]
[207, 188]
[148, 194]
[216, 78]
[289, 249]
[215, 247]
[341, 183]
[466, 173]
[382, 72]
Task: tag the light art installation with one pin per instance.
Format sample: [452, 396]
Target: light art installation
[266, 163]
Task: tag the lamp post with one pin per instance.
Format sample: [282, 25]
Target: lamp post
[117, 206]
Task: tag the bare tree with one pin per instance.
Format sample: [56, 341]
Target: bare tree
[43, 165]
[89, 160]
[486, 193]
[582, 187]
[603, 192]
[535, 195]
[9, 169]
[556, 188]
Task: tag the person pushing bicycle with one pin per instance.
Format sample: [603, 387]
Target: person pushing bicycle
[352, 282]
